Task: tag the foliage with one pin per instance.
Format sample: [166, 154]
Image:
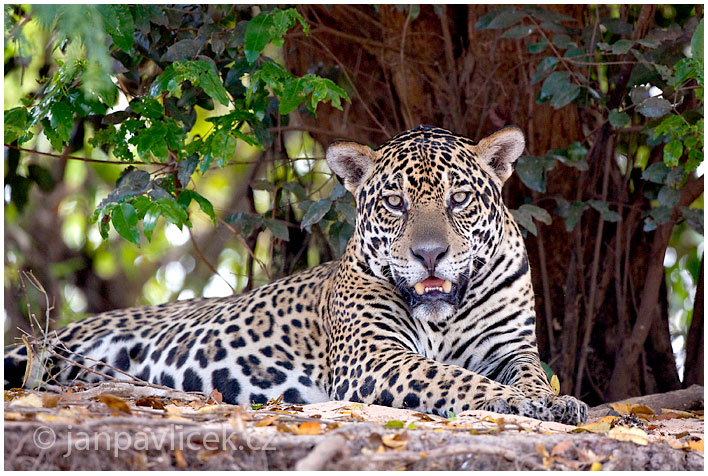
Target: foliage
[657, 99]
[167, 62]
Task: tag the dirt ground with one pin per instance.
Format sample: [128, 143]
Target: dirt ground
[121, 426]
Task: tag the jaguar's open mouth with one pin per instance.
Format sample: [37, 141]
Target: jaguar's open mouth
[433, 286]
[432, 289]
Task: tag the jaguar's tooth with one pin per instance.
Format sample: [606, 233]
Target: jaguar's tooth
[419, 288]
[447, 286]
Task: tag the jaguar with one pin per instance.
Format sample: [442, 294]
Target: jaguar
[430, 308]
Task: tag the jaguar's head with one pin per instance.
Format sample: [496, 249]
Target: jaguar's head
[429, 210]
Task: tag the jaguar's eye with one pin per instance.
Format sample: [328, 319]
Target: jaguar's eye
[458, 198]
[395, 202]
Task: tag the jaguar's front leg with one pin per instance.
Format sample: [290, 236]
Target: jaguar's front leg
[384, 372]
[525, 372]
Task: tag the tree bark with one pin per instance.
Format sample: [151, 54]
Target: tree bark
[693, 366]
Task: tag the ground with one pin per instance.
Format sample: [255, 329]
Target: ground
[120, 426]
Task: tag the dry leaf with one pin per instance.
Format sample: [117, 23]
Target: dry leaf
[696, 445]
[309, 428]
[399, 441]
[216, 396]
[597, 427]
[209, 408]
[30, 400]
[179, 459]
[675, 443]
[555, 384]
[565, 449]
[423, 417]
[267, 421]
[286, 427]
[641, 409]
[151, 401]
[621, 408]
[625, 433]
[116, 405]
[50, 400]
[678, 413]
[596, 466]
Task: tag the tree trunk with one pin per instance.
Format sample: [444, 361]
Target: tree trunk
[693, 366]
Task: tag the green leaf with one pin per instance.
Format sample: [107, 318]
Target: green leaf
[16, 125]
[565, 96]
[187, 196]
[519, 31]
[621, 47]
[147, 107]
[61, 123]
[694, 216]
[347, 210]
[668, 196]
[532, 171]
[173, 212]
[654, 107]
[505, 19]
[125, 220]
[278, 228]
[185, 169]
[245, 223]
[118, 22]
[605, 212]
[656, 173]
[315, 212]
[395, 424]
[575, 212]
[697, 44]
[198, 72]
[152, 215]
[534, 48]
[618, 119]
[672, 153]
[269, 27]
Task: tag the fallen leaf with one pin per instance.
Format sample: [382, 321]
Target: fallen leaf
[596, 466]
[309, 428]
[565, 449]
[696, 445]
[151, 401]
[286, 427]
[116, 405]
[267, 421]
[597, 427]
[398, 442]
[621, 408]
[423, 417]
[179, 459]
[50, 400]
[624, 433]
[396, 424]
[675, 443]
[555, 384]
[355, 406]
[30, 400]
[216, 396]
[641, 409]
[209, 408]
[678, 413]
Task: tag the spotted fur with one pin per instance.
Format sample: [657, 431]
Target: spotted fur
[428, 207]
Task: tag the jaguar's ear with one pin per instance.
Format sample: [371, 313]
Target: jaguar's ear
[351, 162]
[501, 149]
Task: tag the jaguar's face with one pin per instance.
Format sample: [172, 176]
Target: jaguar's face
[430, 214]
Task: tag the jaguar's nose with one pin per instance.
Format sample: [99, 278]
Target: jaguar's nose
[429, 256]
